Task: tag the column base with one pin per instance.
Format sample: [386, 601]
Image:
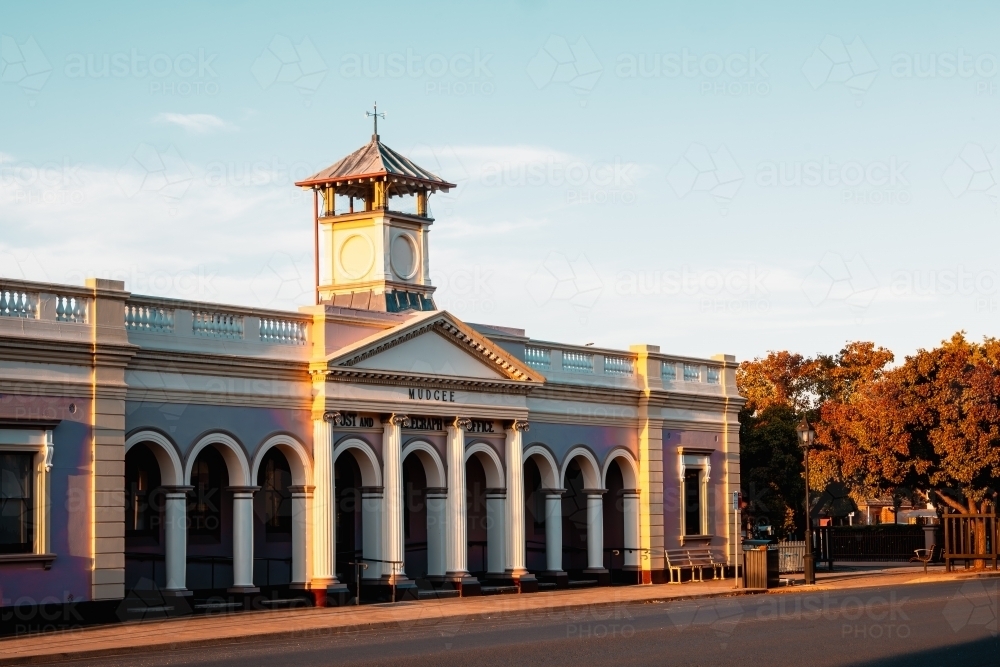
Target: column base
[243, 590]
[466, 585]
[526, 583]
[603, 576]
[300, 586]
[334, 595]
[381, 589]
[557, 577]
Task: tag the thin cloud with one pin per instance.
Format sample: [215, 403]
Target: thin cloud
[196, 123]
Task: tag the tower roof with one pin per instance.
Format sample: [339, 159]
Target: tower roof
[375, 162]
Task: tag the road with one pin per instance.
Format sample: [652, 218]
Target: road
[951, 623]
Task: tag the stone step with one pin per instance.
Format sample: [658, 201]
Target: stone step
[432, 594]
[582, 583]
[498, 590]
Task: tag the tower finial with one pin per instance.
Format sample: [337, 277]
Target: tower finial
[375, 115]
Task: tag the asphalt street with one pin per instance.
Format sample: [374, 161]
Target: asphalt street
[952, 623]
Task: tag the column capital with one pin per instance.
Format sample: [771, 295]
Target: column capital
[461, 422]
[437, 491]
[243, 489]
[331, 416]
[178, 489]
[304, 489]
[496, 493]
[594, 492]
[553, 492]
[519, 425]
[630, 492]
[396, 419]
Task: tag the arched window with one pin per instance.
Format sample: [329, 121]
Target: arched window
[275, 481]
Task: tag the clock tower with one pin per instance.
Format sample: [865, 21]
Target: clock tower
[372, 224]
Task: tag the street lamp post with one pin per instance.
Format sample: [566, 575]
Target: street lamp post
[806, 435]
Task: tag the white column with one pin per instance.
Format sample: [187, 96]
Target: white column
[514, 449]
[456, 540]
[496, 500]
[595, 528]
[175, 533]
[371, 530]
[437, 500]
[301, 495]
[324, 537]
[553, 530]
[392, 484]
[243, 539]
[630, 505]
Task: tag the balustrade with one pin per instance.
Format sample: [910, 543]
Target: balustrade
[577, 362]
[71, 309]
[537, 357]
[148, 318]
[285, 332]
[619, 365]
[218, 325]
[15, 303]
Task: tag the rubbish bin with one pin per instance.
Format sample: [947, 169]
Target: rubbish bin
[760, 567]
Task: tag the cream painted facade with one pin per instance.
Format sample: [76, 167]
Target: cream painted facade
[198, 447]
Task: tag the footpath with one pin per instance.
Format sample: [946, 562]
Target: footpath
[193, 631]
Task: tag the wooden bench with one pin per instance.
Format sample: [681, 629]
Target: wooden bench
[696, 560]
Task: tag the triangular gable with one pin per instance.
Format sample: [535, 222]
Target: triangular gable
[430, 353]
[432, 345]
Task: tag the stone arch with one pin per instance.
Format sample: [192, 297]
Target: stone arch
[588, 466]
[371, 471]
[232, 453]
[628, 465]
[491, 464]
[431, 460]
[546, 463]
[295, 453]
[171, 470]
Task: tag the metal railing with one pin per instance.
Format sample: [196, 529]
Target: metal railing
[886, 543]
[790, 556]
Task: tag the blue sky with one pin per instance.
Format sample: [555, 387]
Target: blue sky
[709, 177]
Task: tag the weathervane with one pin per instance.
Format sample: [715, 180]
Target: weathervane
[375, 115]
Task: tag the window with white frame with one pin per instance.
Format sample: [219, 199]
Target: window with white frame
[695, 472]
[25, 462]
[692, 373]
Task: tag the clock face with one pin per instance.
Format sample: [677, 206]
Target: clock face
[357, 256]
[403, 256]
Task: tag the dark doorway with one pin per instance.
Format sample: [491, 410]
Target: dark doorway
[272, 564]
[415, 517]
[475, 506]
[144, 508]
[614, 522]
[534, 518]
[209, 514]
[347, 483]
[574, 522]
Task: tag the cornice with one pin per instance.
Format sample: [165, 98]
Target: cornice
[220, 365]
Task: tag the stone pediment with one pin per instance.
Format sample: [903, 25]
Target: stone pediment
[434, 347]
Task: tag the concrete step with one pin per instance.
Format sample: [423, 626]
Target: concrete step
[582, 583]
[547, 585]
[499, 590]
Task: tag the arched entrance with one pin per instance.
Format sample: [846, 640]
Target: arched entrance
[543, 517]
[424, 498]
[145, 552]
[273, 521]
[583, 522]
[349, 535]
[622, 556]
[485, 505]
[210, 524]
[358, 524]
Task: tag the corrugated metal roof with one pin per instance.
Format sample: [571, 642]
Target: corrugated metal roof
[376, 159]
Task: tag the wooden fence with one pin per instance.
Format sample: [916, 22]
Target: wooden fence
[970, 538]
